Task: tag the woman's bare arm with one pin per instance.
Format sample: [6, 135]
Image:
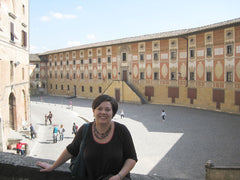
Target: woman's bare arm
[61, 160]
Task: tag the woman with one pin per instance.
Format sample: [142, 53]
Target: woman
[109, 149]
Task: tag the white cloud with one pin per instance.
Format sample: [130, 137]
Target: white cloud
[79, 8]
[91, 36]
[57, 15]
[73, 43]
[45, 18]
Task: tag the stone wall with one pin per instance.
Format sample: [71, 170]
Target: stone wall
[222, 172]
[13, 166]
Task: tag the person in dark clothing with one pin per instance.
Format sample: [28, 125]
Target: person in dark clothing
[74, 129]
[109, 150]
[32, 132]
[50, 115]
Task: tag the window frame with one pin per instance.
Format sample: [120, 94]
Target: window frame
[141, 56]
[142, 75]
[124, 57]
[173, 54]
[207, 52]
[173, 75]
[229, 76]
[154, 56]
[229, 49]
[209, 76]
[192, 76]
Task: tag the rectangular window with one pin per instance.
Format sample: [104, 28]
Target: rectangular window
[24, 39]
[37, 76]
[74, 62]
[173, 55]
[11, 71]
[192, 53]
[22, 73]
[141, 75]
[142, 57]
[156, 75]
[155, 56]
[100, 89]
[99, 76]
[68, 87]
[109, 59]
[61, 75]
[67, 75]
[51, 86]
[81, 61]
[124, 57]
[55, 75]
[173, 76]
[229, 77]
[192, 76]
[90, 75]
[209, 52]
[99, 60]
[56, 87]
[229, 50]
[61, 87]
[90, 60]
[209, 76]
[12, 35]
[74, 75]
[82, 76]
[91, 89]
[109, 76]
[82, 88]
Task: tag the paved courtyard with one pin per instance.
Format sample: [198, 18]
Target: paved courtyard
[176, 148]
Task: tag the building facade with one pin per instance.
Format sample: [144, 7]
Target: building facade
[14, 67]
[38, 74]
[197, 67]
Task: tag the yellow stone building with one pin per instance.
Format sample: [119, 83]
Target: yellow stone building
[14, 68]
[197, 68]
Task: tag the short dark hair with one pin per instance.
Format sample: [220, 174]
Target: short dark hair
[102, 98]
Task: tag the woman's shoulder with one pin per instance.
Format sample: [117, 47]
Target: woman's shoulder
[120, 127]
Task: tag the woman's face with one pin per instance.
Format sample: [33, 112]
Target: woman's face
[103, 113]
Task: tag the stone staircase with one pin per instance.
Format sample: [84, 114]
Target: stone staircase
[143, 99]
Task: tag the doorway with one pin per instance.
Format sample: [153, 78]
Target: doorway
[12, 111]
[75, 90]
[117, 95]
[125, 75]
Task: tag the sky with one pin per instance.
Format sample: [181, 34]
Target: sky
[57, 24]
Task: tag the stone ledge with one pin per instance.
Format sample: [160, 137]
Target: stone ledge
[13, 166]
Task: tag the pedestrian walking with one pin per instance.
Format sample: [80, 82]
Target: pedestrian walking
[19, 148]
[50, 116]
[74, 129]
[122, 114]
[46, 119]
[32, 132]
[55, 134]
[163, 115]
[61, 132]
